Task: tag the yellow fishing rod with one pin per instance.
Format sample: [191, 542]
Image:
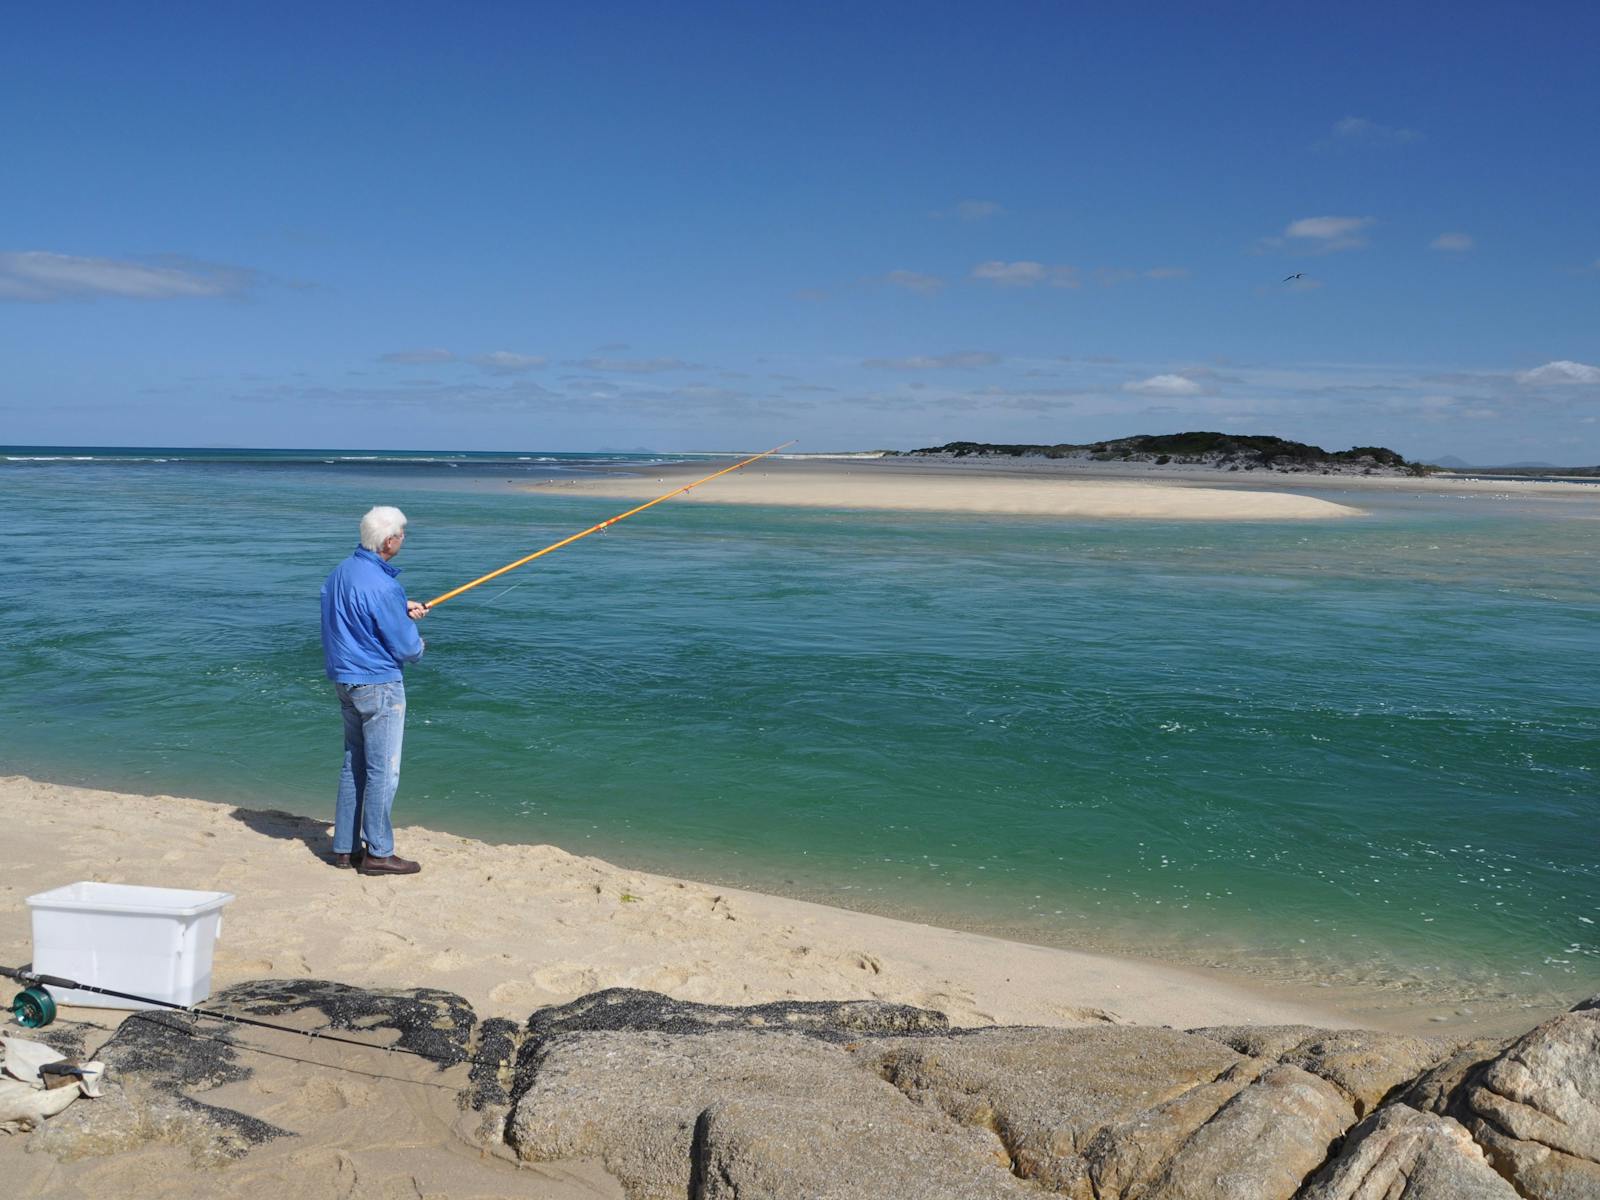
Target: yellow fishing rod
[467, 587]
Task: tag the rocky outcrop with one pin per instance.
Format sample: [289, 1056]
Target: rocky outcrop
[834, 1101]
[627, 1076]
[705, 1114]
[635, 1011]
[1363, 1064]
[1403, 1154]
[1535, 1109]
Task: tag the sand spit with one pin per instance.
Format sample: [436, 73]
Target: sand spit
[913, 485]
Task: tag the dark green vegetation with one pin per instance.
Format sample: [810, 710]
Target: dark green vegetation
[1230, 451]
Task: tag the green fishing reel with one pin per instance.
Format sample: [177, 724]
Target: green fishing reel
[34, 1008]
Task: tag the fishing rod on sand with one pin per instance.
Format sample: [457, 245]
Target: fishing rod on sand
[34, 1008]
[603, 525]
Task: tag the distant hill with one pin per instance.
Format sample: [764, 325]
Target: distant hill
[1533, 470]
[1222, 451]
[1538, 469]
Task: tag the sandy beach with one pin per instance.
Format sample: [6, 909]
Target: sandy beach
[1046, 487]
[511, 928]
[937, 486]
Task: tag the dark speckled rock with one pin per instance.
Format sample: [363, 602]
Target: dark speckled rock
[627, 1009]
[156, 1063]
[427, 1021]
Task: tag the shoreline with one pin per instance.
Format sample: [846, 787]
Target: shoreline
[1025, 487]
[913, 485]
[516, 926]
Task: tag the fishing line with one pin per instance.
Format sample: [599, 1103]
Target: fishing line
[497, 595]
[603, 525]
[35, 983]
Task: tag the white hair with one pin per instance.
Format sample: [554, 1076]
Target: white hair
[379, 525]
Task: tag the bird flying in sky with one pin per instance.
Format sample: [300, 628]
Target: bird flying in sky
[1296, 275]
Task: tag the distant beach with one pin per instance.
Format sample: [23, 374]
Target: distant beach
[1018, 488]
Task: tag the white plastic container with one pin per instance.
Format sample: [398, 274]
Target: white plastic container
[149, 941]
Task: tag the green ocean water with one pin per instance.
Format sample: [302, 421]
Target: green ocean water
[1361, 751]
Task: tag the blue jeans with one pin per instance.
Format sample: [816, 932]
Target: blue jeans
[374, 726]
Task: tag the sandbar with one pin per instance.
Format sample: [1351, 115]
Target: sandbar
[957, 487]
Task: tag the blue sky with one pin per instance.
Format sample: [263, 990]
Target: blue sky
[698, 226]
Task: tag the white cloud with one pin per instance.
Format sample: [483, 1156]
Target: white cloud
[1561, 373]
[432, 354]
[1164, 385]
[636, 366]
[978, 210]
[1452, 241]
[961, 360]
[972, 210]
[1359, 129]
[1024, 274]
[912, 281]
[504, 362]
[1326, 228]
[1320, 235]
[40, 276]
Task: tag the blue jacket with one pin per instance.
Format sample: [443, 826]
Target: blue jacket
[366, 635]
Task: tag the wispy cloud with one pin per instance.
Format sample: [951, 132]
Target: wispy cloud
[1164, 385]
[973, 210]
[42, 277]
[1360, 131]
[964, 360]
[420, 394]
[1112, 276]
[636, 366]
[416, 358]
[1320, 235]
[1024, 274]
[913, 281]
[1340, 231]
[1561, 373]
[1456, 243]
[504, 362]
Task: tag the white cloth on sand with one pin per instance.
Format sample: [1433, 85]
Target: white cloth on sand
[25, 1101]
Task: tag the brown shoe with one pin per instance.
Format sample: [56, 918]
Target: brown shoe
[393, 865]
[345, 861]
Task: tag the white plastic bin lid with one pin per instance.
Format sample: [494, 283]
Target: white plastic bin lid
[125, 897]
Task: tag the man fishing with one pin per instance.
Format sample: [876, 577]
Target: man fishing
[369, 633]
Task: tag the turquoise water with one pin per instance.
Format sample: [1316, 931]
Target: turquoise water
[1360, 751]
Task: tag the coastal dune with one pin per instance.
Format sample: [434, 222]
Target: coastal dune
[894, 485]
